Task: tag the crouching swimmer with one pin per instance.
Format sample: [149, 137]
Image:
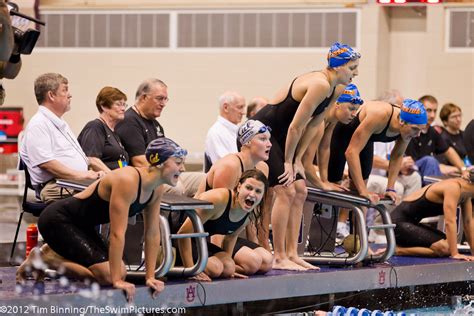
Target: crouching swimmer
[69, 226]
[233, 210]
[441, 198]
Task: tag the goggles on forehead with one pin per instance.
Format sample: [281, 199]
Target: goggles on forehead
[179, 152]
[264, 129]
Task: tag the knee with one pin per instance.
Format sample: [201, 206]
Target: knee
[267, 262]
[228, 268]
[441, 248]
[287, 193]
[214, 268]
[251, 264]
[301, 192]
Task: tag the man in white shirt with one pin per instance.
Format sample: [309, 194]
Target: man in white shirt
[221, 138]
[49, 148]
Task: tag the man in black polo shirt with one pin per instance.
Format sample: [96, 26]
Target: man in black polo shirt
[423, 148]
[140, 127]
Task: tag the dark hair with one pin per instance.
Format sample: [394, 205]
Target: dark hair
[447, 110]
[428, 98]
[259, 176]
[107, 96]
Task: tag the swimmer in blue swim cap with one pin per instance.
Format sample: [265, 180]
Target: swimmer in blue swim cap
[377, 121]
[295, 115]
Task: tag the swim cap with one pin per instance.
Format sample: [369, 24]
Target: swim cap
[351, 95]
[340, 54]
[249, 129]
[160, 149]
[413, 112]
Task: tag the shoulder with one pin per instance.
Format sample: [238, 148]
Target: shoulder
[314, 81]
[439, 129]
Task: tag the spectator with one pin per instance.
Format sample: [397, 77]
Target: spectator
[451, 116]
[49, 148]
[140, 127]
[98, 138]
[221, 138]
[423, 148]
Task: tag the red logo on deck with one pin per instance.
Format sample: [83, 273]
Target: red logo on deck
[382, 277]
[190, 293]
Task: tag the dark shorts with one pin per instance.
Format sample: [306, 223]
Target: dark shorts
[213, 249]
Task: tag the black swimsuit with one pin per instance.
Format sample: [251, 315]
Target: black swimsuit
[407, 216]
[279, 117]
[341, 139]
[68, 226]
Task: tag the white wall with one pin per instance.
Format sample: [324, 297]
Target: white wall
[400, 50]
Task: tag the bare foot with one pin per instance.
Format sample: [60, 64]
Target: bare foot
[287, 264]
[33, 264]
[303, 263]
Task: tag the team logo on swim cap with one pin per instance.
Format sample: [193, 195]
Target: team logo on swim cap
[411, 110]
[154, 159]
[337, 52]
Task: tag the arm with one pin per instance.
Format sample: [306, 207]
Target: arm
[216, 197]
[228, 244]
[308, 158]
[151, 219]
[121, 197]
[380, 163]
[395, 164]
[59, 170]
[468, 223]
[314, 95]
[451, 196]
[454, 159]
[359, 139]
[97, 165]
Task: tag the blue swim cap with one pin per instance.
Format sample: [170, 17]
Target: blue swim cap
[160, 149]
[351, 95]
[413, 112]
[340, 54]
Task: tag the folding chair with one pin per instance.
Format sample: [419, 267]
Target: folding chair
[33, 207]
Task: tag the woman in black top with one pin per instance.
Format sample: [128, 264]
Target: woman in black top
[441, 198]
[68, 226]
[98, 138]
[376, 121]
[294, 116]
[451, 116]
[233, 210]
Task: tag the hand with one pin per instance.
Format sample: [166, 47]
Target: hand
[128, 288]
[462, 257]
[298, 168]
[393, 196]
[201, 277]
[448, 170]
[329, 186]
[287, 177]
[156, 285]
[239, 276]
[373, 197]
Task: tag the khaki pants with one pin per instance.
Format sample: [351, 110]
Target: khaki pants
[188, 184]
[52, 192]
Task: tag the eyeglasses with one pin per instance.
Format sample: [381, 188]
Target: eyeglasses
[161, 99]
[120, 104]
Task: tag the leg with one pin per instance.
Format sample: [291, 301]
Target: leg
[45, 257]
[227, 263]
[284, 197]
[294, 223]
[101, 272]
[247, 261]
